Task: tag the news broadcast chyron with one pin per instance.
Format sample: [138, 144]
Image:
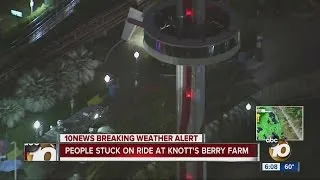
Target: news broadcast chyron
[159, 152]
[40, 152]
[132, 138]
[151, 147]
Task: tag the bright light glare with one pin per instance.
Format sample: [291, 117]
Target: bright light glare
[107, 78]
[36, 124]
[31, 3]
[136, 55]
[189, 12]
[248, 106]
[96, 116]
[188, 94]
[225, 116]
[189, 176]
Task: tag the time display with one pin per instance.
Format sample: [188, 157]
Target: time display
[270, 166]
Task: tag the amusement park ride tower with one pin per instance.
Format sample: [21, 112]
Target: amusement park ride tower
[190, 34]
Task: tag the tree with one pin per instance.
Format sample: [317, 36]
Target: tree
[80, 63]
[37, 91]
[67, 82]
[11, 112]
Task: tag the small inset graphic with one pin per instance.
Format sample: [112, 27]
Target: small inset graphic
[279, 121]
[40, 152]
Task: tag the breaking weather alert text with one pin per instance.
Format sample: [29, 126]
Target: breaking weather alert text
[114, 138]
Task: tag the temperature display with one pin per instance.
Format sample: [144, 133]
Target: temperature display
[290, 167]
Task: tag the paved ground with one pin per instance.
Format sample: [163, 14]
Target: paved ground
[290, 48]
[133, 103]
[122, 64]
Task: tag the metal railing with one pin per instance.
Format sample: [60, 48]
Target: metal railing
[298, 88]
[57, 48]
[303, 86]
[82, 33]
[43, 25]
[59, 16]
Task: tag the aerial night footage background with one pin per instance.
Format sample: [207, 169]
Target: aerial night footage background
[63, 61]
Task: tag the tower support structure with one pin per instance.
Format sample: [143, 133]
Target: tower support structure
[190, 34]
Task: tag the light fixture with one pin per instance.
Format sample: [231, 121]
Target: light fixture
[107, 78]
[248, 106]
[36, 124]
[189, 12]
[136, 55]
[188, 94]
[31, 4]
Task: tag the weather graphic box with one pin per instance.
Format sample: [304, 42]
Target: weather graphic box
[279, 122]
[40, 152]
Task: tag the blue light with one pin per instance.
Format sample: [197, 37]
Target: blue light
[158, 46]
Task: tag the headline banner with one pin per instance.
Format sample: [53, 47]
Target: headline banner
[159, 152]
[130, 138]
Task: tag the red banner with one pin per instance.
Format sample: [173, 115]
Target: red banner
[159, 152]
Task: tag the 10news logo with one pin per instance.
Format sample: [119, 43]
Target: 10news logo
[279, 149]
[40, 152]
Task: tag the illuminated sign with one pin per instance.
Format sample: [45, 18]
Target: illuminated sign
[16, 13]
